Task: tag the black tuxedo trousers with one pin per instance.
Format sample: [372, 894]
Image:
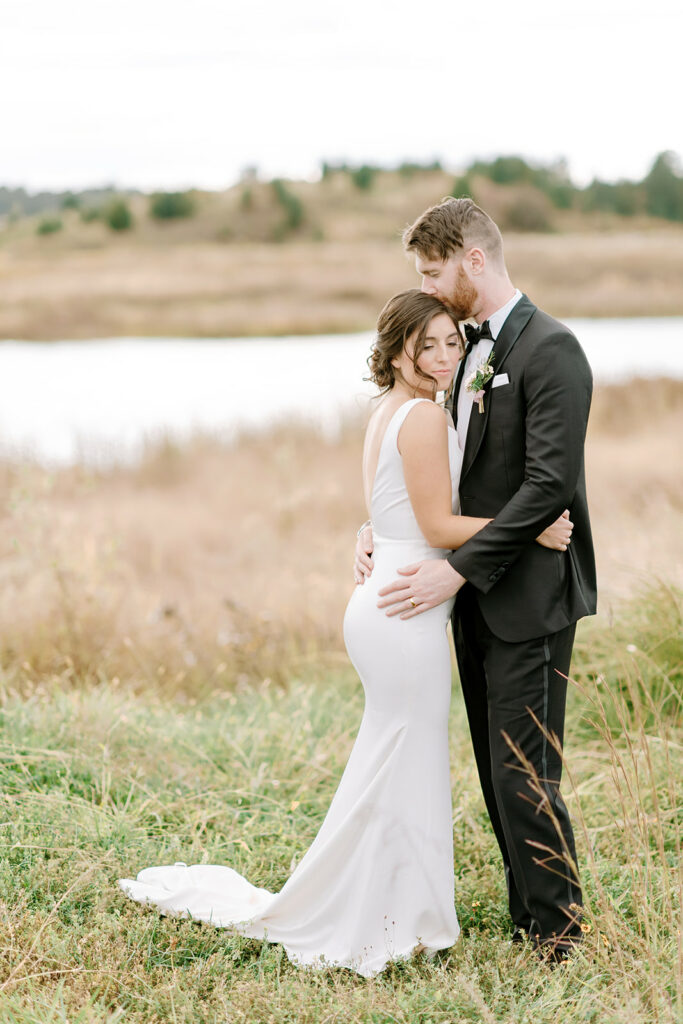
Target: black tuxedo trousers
[514, 621]
[515, 699]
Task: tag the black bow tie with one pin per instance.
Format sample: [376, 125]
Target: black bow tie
[475, 334]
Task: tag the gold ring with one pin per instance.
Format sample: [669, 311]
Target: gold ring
[412, 601]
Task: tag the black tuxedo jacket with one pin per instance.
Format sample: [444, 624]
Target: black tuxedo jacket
[523, 465]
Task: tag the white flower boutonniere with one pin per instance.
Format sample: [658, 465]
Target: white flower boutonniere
[476, 382]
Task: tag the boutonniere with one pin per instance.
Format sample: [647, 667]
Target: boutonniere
[477, 381]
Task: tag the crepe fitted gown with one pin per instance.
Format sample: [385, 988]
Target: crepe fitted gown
[377, 882]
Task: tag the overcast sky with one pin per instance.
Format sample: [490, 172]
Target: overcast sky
[152, 94]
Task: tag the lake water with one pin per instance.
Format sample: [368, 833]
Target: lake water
[103, 401]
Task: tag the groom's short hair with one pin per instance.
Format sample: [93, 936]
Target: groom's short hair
[451, 227]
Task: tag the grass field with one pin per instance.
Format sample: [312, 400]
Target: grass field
[173, 687]
[98, 781]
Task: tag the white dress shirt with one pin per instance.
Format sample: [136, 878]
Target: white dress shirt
[477, 356]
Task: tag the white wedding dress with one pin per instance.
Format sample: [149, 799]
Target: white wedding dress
[377, 882]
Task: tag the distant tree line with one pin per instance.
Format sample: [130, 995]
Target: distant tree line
[363, 176]
[540, 188]
[659, 194]
[116, 213]
[17, 202]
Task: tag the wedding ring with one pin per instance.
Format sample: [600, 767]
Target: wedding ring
[413, 602]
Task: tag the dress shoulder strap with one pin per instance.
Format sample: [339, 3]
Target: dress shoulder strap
[399, 417]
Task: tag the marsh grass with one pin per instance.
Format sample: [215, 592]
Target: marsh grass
[99, 780]
[210, 564]
[165, 286]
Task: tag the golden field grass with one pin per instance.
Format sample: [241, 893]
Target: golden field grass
[173, 687]
[219, 274]
[167, 562]
[211, 290]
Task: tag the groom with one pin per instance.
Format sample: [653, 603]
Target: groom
[517, 602]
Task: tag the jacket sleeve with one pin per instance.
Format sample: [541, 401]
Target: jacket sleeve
[558, 385]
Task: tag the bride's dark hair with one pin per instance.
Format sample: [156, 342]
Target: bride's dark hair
[405, 315]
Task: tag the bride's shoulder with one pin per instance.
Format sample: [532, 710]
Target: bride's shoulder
[425, 419]
[424, 411]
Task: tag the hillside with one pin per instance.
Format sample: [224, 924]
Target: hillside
[307, 257]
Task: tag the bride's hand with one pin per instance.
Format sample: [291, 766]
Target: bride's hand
[558, 535]
[362, 563]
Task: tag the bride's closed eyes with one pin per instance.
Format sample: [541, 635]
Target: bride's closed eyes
[452, 342]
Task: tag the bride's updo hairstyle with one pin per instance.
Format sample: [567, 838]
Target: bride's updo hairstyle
[406, 315]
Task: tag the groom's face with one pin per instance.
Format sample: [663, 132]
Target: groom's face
[447, 280]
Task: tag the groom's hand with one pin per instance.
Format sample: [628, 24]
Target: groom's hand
[362, 563]
[425, 584]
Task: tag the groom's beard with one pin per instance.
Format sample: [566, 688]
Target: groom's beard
[463, 300]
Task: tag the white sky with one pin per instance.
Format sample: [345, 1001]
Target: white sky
[172, 93]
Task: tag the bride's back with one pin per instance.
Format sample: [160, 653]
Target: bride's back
[386, 493]
[374, 437]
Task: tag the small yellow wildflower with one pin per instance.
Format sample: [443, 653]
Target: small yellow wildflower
[585, 928]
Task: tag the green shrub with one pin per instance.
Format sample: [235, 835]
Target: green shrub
[171, 205]
[293, 209]
[409, 168]
[664, 188]
[49, 225]
[118, 216]
[462, 188]
[90, 213]
[561, 195]
[624, 198]
[504, 170]
[529, 212]
[628, 199]
[363, 177]
[70, 202]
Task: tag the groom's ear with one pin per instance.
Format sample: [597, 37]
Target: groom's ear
[476, 258]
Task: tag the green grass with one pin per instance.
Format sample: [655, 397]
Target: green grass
[99, 781]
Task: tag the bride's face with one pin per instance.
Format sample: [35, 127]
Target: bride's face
[439, 358]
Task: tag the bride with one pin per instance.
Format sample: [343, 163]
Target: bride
[377, 882]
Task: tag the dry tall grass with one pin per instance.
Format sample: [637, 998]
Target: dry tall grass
[217, 556]
[206, 289]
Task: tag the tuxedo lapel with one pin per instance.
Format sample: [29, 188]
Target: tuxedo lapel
[509, 333]
[520, 316]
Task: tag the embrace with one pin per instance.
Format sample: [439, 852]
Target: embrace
[477, 512]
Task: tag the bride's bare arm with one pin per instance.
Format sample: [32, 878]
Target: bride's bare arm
[423, 444]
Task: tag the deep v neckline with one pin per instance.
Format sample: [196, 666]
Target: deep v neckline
[371, 493]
